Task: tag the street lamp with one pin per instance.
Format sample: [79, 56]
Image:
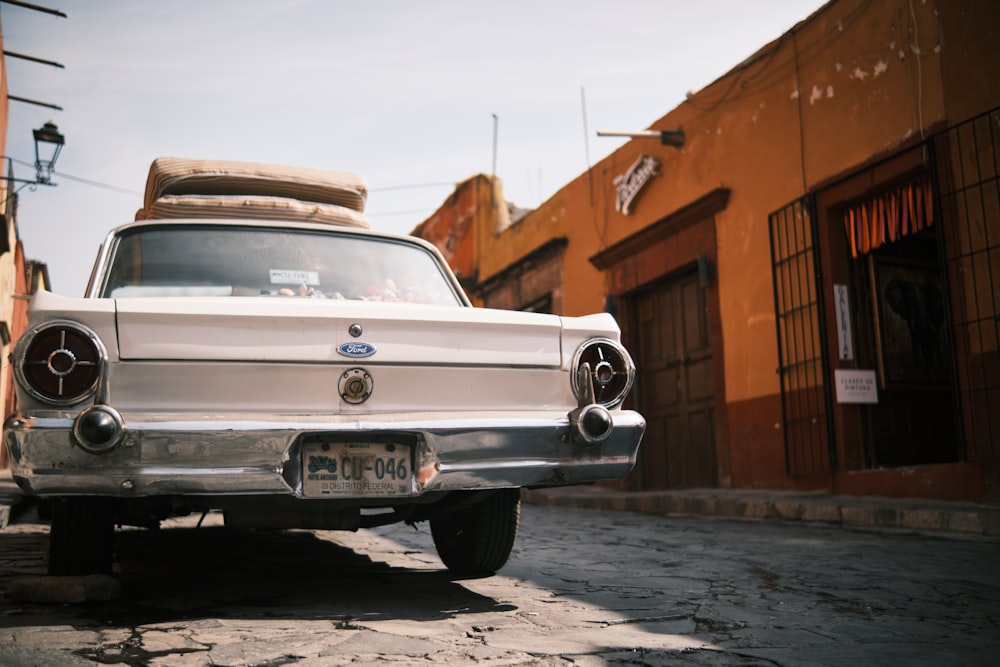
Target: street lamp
[48, 144]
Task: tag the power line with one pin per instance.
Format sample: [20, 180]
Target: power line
[126, 191]
[415, 185]
[96, 184]
[85, 181]
[385, 213]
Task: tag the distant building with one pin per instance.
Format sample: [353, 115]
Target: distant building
[809, 283]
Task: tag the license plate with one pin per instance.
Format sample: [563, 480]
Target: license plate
[369, 469]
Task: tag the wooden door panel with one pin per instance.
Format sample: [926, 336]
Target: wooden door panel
[653, 453]
[664, 390]
[702, 437]
[676, 451]
[700, 382]
[676, 385]
[695, 327]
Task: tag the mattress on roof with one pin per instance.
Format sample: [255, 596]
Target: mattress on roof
[251, 206]
[178, 187]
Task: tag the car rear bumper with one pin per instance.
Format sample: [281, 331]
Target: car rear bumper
[236, 455]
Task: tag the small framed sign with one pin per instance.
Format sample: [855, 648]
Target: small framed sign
[856, 386]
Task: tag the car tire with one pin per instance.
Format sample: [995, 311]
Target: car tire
[81, 536]
[477, 540]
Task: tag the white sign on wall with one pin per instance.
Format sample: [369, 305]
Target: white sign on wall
[855, 386]
[845, 342]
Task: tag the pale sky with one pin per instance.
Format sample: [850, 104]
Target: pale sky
[402, 92]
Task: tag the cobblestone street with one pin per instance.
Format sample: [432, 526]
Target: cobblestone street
[584, 587]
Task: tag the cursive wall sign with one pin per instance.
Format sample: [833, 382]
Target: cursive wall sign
[631, 183]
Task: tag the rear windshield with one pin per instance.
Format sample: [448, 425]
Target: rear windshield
[249, 261]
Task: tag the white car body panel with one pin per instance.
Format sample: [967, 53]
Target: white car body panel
[218, 396]
[293, 369]
[250, 329]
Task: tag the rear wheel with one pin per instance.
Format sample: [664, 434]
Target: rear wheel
[477, 540]
[81, 536]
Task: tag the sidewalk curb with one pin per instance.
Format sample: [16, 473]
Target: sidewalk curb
[867, 511]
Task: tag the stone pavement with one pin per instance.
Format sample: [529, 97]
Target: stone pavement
[857, 511]
[584, 587]
[912, 514]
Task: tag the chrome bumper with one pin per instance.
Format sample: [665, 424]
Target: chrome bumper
[237, 455]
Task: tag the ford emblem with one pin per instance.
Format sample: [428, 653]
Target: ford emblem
[356, 350]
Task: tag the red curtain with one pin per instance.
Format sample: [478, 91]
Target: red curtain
[889, 216]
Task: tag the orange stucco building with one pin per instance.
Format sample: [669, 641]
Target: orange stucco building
[18, 277]
[804, 260]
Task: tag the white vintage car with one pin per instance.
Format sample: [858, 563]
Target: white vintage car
[300, 374]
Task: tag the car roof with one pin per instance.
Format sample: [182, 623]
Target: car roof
[267, 223]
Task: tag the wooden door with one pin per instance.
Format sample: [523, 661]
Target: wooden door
[676, 391]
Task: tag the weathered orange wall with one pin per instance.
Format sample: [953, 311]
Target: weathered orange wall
[452, 228]
[856, 82]
[969, 63]
[500, 250]
[849, 85]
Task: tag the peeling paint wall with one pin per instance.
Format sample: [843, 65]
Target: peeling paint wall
[858, 81]
[854, 82]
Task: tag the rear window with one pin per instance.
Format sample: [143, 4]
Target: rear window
[248, 261]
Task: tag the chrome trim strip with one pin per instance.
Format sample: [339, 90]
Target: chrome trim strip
[155, 471]
[173, 456]
[513, 465]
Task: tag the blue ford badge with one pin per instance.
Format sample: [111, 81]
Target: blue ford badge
[356, 350]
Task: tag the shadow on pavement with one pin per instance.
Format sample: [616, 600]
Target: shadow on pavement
[185, 574]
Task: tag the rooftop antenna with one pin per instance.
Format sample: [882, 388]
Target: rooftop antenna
[586, 143]
[496, 123]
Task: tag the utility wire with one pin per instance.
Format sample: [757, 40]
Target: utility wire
[126, 191]
[381, 214]
[78, 179]
[415, 185]
[96, 184]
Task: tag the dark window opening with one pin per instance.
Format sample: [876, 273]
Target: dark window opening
[542, 305]
[903, 330]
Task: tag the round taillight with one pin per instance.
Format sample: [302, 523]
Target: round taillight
[59, 362]
[611, 371]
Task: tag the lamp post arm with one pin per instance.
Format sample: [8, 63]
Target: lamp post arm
[673, 138]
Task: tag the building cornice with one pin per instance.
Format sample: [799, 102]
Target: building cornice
[704, 207]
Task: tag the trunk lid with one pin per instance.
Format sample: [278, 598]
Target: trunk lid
[291, 330]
